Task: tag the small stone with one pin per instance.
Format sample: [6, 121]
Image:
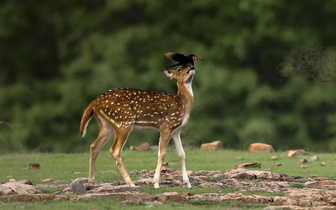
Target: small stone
[215, 145]
[320, 183]
[314, 158]
[61, 198]
[250, 165]
[292, 153]
[303, 166]
[303, 161]
[330, 187]
[188, 194]
[47, 180]
[67, 190]
[278, 164]
[274, 157]
[78, 186]
[260, 147]
[144, 147]
[23, 198]
[304, 202]
[34, 165]
[170, 196]
[323, 164]
[238, 158]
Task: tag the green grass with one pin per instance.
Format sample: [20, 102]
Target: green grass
[63, 168]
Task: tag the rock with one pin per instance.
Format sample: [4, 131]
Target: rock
[250, 165]
[67, 190]
[23, 198]
[323, 164]
[170, 196]
[238, 158]
[78, 186]
[61, 198]
[147, 197]
[274, 157]
[188, 194]
[291, 153]
[320, 183]
[144, 147]
[241, 173]
[212, 185]
[30, 198]
[215, 145]
[124, 196]
[260, 147]
[87, 197]
[303, 161]
[303, 166]
[47, 180]
[278, 164]
[34, 165]
[330, 187]
[314, 158]
[24, 181]
[130, 202]
[18, 187]
[86, 180]
[108, 188]
[304, 202]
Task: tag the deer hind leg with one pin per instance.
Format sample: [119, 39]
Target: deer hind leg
[163, 144]
[181, 155]
[120, 139]
[104, 136]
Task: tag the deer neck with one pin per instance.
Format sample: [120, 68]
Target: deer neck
[185, 94]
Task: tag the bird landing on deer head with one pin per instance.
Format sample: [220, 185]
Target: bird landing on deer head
[121, 111]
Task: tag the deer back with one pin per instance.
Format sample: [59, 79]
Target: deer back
[126, 107]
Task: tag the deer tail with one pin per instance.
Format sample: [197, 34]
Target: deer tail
[87, 115]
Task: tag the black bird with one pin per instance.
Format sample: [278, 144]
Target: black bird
[182, 60]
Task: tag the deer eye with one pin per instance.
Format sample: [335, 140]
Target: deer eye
[179, 70]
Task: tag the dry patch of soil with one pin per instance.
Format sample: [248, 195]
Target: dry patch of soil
[295, 192]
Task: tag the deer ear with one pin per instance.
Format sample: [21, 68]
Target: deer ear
[170, 73]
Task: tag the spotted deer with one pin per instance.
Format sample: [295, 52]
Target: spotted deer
[121, 111]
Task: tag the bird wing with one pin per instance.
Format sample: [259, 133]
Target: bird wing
[194, 57]
[175, 56]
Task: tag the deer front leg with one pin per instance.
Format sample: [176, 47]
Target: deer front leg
[181, 154]
[163, 144]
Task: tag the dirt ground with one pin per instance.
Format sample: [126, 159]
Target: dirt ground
[277, 191]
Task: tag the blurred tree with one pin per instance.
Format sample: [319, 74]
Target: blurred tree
[58, 56]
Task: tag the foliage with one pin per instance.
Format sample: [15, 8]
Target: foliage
[58, 56]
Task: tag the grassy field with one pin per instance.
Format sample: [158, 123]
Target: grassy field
[63, 168]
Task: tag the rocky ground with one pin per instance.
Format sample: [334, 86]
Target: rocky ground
[284, 192]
